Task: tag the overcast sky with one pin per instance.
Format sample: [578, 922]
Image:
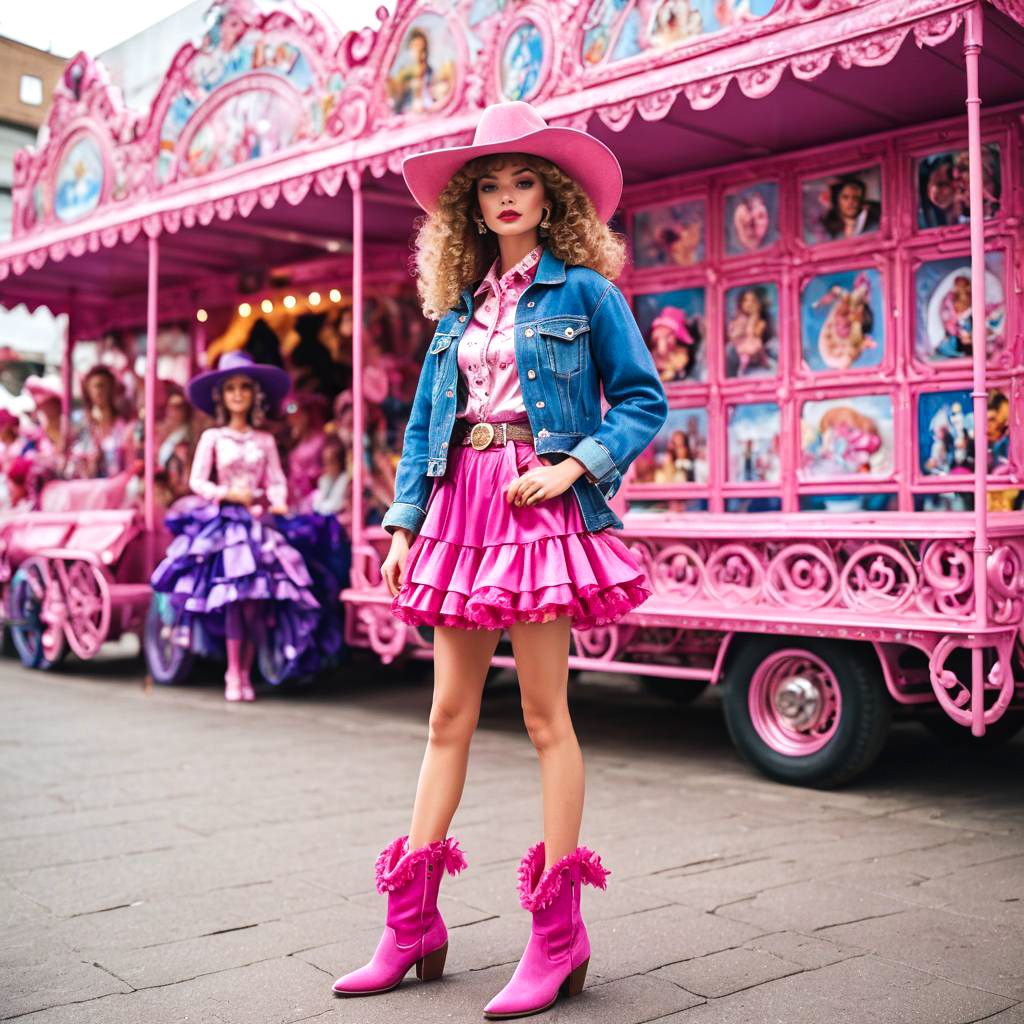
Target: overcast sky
[66, 26]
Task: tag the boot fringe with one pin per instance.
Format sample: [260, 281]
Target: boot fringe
[395, 867]
[543, 894]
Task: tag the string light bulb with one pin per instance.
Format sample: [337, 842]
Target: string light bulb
[314, 298]
[267, 306]
[335, 295]
[201, 315]
[244, 309]
[289, 302]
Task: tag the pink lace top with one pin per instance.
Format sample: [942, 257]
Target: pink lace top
[488, 377]
[244, 461]
[305, 464]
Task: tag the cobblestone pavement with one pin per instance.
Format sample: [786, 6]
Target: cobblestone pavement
[165, 857]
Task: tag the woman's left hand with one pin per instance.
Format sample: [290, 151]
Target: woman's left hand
[542, 482]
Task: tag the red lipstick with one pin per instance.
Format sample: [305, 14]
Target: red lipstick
[509, 215]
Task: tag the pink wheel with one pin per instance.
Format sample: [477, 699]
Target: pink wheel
[87, 596]
[807, 711]
[794, 702]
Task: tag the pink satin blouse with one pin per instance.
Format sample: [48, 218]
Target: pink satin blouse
[245, 461]
[488, 378]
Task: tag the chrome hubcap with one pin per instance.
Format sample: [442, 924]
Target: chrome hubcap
[798, 702]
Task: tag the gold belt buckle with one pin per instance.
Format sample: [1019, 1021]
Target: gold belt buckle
[481, 436]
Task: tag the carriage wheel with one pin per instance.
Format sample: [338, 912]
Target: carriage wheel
[38, 644]
[87, 594]
[170, 660]
[810, 712]
[271, 661]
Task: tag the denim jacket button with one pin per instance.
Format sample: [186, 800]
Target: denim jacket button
[531, 304]
[462, 319]
[444, 444]
[449, 392]
[540, 405]
[569, 332]
[529, 332]
[531, 374]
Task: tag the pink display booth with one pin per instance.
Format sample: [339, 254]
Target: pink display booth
[825, 227]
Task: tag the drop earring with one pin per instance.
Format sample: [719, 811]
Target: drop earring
[481, 227]
[545, 224]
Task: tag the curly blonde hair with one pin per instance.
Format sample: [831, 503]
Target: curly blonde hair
[450, 253]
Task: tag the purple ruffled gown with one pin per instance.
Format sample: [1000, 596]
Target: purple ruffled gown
[228, 569]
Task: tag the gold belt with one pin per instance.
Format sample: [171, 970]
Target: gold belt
[487, 435]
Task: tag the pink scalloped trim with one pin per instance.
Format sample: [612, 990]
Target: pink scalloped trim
[537, 897]
[395, 867]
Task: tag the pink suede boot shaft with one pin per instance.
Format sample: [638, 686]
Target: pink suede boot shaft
[415, 932]
[558, 952]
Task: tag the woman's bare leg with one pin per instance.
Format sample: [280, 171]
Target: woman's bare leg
[542, 660]
[461, 660]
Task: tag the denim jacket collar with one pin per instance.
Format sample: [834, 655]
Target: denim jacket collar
[550, 270]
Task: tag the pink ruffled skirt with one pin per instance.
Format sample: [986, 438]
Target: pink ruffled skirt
[480, 563]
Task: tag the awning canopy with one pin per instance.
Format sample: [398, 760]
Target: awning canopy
[820, 72]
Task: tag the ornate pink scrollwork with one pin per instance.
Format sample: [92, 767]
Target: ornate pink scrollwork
[677, 571]
[760, 81]
[330, 180]
[948, 586]
[936, 30]
[602, 642]
[1006, 583]
[955, 695]
[296, 189]
[387, 634]
[802, 576]
[878, 578]
[735, 575]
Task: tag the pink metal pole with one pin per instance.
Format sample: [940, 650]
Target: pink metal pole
[357, 360]
[972, 50]
[197, 349]
[66, 377]
[149, 425]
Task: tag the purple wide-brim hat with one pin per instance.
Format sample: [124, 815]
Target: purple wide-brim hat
[515, 127]
[274, 381]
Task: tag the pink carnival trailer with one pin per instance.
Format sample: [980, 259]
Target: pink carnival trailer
[825, 227]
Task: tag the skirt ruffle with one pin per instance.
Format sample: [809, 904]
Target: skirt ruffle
[222, 555]
[481, 563]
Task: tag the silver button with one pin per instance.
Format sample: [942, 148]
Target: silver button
[531, 374]
[529, 332]
[540, 405]
[444, 444]
[531, 304]
[449, 392]
[462, 319]
[569, 332]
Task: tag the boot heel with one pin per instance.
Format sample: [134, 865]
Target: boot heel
[431, 966]
[574, 983]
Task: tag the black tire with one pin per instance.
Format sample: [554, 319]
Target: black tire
[681, 692]
[863, 724]
[960, 737]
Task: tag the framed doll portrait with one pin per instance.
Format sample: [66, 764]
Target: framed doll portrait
[943, 293]
[841, 206]
[679, 452]
[754, 442]
[751, 218]
[847, 436]
[671, 235]
[751, 330]
[946, 429]
[943, 186]
[841, 321]
[674, 326]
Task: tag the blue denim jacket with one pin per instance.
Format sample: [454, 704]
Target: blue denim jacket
[574, 333]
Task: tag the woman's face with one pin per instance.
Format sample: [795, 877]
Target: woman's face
[749, 303]
[49, 410]
[176, 411]
[99, 390]
[237, 394]
[511, 198]
[851, 199]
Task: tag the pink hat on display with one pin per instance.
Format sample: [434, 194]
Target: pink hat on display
[43, 389]
[675, 320]
[515, 127]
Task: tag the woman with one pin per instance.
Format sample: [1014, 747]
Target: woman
[231, 572]
[105, 446]
[514, 260]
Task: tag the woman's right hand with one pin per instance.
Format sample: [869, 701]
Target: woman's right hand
[239, 497]
[393, 568]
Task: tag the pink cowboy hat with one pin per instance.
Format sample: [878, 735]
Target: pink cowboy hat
[675, 320]
[41, 389]
[515, 127]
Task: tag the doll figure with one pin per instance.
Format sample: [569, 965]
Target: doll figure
[747, 336]
[672, 345]
[997, 429]
[849, 440]
[105, 446]
[957, 323]
[500, 517]
[307, 414]
[962, 441]
[751, 221]
[849, 212]
[229, 568]
[846, 332]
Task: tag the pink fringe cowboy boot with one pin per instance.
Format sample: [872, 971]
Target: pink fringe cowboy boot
[558, 952]
[415, 933]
